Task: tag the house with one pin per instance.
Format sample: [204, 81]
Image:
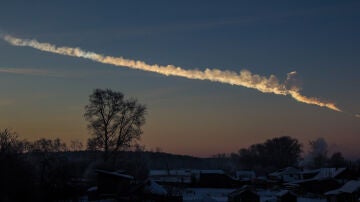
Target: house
[186, 176]
[262, 182]
[349, 192]
[337, 173]
[287, 174]
[197, 194]
[315, 186]
[345, 174]
[245, 175]
[216, 180]
[152, 192]
[322, 180]
[121, 187]
[329, 172]
[113, 184]
[245, 194]
[171, 177]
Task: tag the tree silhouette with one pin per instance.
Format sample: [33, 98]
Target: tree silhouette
[113, 120]
[337, 160]
[318, 154]
[48, 145]
[9, 142]
[76, 145]
[283, 151]
[16, 174]
[274, 153]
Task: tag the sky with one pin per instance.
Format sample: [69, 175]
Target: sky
[43, 94]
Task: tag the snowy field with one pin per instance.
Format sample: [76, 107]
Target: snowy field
[220, 195]
[206, 195]
[299, 199]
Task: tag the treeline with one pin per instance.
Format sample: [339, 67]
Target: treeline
[10, 142]
[274, 153]
[50, 170]
[281, 152]
[38, 170]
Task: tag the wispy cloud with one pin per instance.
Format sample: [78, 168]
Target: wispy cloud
[244, 78]
[23, 71]
[29, 71]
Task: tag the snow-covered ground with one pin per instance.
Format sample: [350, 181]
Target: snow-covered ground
[300, 199]
[221, 195]
[206, 195]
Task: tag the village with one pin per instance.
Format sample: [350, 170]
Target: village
[48, 170]
[190, 185]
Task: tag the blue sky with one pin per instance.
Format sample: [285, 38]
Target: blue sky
[318, 39]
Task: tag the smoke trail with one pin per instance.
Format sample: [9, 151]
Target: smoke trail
[244, 78]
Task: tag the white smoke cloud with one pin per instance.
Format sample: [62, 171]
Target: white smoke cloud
[244, 78]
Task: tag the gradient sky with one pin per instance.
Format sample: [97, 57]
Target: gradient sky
[44, 94]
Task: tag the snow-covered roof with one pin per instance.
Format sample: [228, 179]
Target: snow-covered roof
[172, 179]
[91, 189]
[312, 171]
[115, 173]
[198, 194]
[301, 199]
[210, 171]
[322, 173]
[283, 192]
[183, 172]
[158, 172]
[245, 174]
[208, 199]
[349, 187]
[287, 170]
[329, 172]
[155, 188]
[242, 189]
[272, 193]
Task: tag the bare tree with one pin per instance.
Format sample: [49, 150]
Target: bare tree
[9, 142]
[113, 120]
[76, 145]
[318, 154]
[48, 145]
